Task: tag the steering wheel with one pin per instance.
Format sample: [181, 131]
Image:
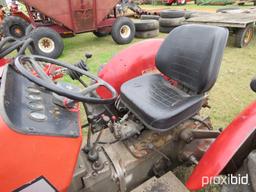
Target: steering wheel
[9, 44]
[29, 65]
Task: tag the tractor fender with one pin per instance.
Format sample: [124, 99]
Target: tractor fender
[133, 61]
[224, 148]
[3, 62]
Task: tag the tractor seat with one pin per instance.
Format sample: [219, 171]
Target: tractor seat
[191, 55]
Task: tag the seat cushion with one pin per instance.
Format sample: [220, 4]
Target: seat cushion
[158, 104]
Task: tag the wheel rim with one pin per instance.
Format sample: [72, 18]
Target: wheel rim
[125, 31]
[17, 31]
[248, 36]
[46, 45]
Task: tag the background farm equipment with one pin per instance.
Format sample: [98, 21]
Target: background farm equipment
[70, 18]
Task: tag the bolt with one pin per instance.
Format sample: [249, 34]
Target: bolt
[99, 149]
[106, 163]
[31, 129]
[94, 174]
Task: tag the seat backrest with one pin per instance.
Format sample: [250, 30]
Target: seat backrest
[192, 54]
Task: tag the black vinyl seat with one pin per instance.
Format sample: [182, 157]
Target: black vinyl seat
[190, 55]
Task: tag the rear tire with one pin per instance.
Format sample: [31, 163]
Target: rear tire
[123, 30]
[247, 169]
[244, 36]
[14, 26]
[47, 42]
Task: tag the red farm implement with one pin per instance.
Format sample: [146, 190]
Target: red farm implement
[67, 18]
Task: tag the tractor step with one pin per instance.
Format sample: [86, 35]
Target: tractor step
[167, 183]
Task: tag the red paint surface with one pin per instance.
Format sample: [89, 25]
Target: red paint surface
[130, 63]
[26, 157]
[75, 15]
[224, 148]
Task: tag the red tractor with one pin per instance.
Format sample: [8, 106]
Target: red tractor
[142, 114]
[52, 18]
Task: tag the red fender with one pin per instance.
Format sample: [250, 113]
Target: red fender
[3, 62]
[224, 148]
[129, 63]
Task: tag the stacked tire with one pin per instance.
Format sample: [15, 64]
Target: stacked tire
[150, 17]
[148, 28]
[169, 19]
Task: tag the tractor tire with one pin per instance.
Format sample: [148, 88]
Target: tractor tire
[147, 34]
[166, 29]
[169, 22]
[123, 30]
[100, 33]
[246, 170]
[182, 2]
[172, 14]
[47, 42]
[149, 17]
[146, 25]
[244, 36]
[29, 29]
[15, 27]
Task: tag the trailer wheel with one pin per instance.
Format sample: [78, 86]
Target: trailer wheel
[47, 42]
[244, 36]
[123, 30]
[14, 26]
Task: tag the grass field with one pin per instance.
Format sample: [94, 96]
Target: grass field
[230, 94]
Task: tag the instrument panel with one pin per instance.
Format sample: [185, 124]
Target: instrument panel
[29, 108]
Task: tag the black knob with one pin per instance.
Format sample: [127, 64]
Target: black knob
[253, 84]
[88, 55]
